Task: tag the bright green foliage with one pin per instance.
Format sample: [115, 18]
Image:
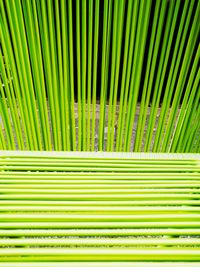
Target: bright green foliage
[113, 75]
[99, 206]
